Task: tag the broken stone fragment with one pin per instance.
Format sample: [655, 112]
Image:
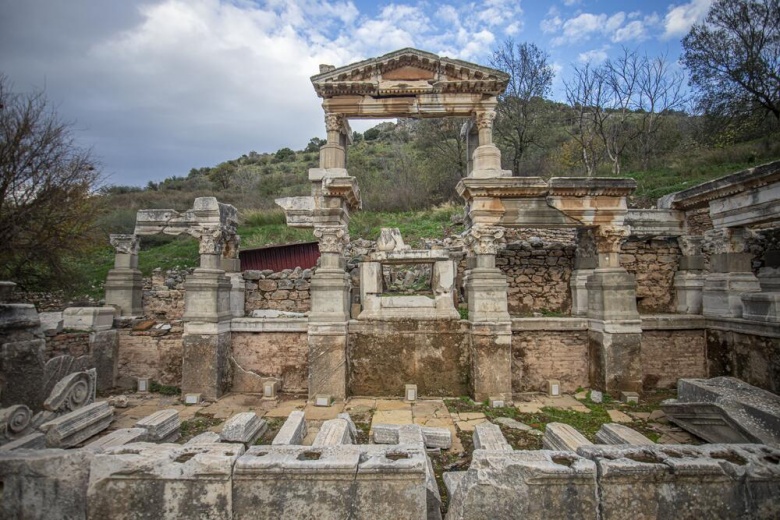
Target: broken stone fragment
[77, 426]
[162, 426]
[245, 427]
[292, 431]
[612, 433]
[562, 437]
[488, 436]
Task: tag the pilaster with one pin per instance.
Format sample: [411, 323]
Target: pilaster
[689, 279]
[730, 273]
[124, 284]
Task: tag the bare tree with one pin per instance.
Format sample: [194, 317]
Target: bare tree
[734, 57]
[585, 94]
[47, 207]
[516, 125]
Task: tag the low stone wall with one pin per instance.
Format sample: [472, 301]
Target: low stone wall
[75, 344]
[746, 350]
[288, 290]
[673, 347]
[264, 349]
[549, 348]
[383, 356]
[163, 295]
[653, 263]
[150, 354]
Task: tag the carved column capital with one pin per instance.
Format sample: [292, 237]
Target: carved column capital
[332, 239]
[485, 240]
[690, 245]
[485, 119]
[212, 239]
[334, 122]
[727, 240]
[125, 244]
[609, 239]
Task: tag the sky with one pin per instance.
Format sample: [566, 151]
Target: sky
[157, 87]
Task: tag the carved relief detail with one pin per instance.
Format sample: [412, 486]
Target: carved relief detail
[72, 392]
[485, 240]
[332, 239]
[334, 122]
[485, 119]
[15, 422]
[609, 239]
[126, 244]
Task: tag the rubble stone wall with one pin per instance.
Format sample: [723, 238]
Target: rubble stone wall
[539, 355]
[280, 355]
[288, 290]
[653, 263]
[75, 344]
[668, 355]
[752, 358]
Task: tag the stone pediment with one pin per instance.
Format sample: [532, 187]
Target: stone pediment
[408, 72]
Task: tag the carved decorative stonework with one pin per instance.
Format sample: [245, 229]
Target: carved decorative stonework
[485, 240]
[690, 245]
[72, 392]
[125, 244]
[485, 119]
[609, 239]
[15, 422]
[212, 239]
[332, 239]
[334, 122]
[231, 248]
[728, 240]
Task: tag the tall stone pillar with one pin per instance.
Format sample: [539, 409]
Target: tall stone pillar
[334, 153]
[207, 315]
[491, 326]
[124, 285]
[615, 333]
[585, 262]
[486, 158]
[689, 279]
[730, 272]
[329, 315]
[231, 263]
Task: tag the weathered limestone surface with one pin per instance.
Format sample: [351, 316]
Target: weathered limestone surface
[672, 349]
[724, 409]
[562, 437]
[77, 426]
[488, 436]
[433, 437]
[118, 438]
[22, 365]
[549, 348]
[292, 431]
[144, 480]
[245, 428]
[50, 484]
[275, 353]
[333, 432]
[205, 438]
[162, 426]
[612, 433]
[72, 392]
[526, 484]
[744, 349]
[206, 365]
[88, 318]
[104, 354]
[31, 441]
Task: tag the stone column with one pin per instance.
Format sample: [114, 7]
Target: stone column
[491, 326]
[124, 285]
[486, 159]
[585, 262]
[232, 266]
[329, 315]
[207, 315]
[334, 153]
[689, 279]
[615, 333]
[730, 273]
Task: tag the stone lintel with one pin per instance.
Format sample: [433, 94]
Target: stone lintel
[648, 223]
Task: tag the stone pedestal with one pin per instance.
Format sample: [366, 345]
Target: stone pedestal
[615, 335]
[206, 339]
[579, 292]
[688, 287]
[731, 276]
[491, 360]
[124, 286]
[486, 292]
[237, 294]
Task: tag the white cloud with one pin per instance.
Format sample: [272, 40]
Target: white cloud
[679, 19]
[571, 2]
[631, 31]
[594, 56]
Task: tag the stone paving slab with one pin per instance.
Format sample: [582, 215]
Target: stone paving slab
[468, 426]
[284, 408]
[392, 417]
[360, 405]
[392, 404]
[534, 403]
[619, 417]
[322, 413]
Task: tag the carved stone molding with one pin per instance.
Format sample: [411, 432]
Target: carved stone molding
[15, 422]
[332, 239]
[72, 392]
[690, 245]
[609, 239]
[125, 244]
[485, 240]
[212, 239]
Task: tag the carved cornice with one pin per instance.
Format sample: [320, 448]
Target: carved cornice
[332, 239]
[502, 187]
[343, 187]
[591, 187]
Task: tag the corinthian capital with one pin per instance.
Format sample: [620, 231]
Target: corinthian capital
[485, 240]
[332, 239]
[609, 239]
[334, 122]
[485, 119]
[126, 244]
[212, 239]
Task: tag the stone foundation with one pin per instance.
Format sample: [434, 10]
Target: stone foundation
[746, 350]
[673, 347]
[279, 355]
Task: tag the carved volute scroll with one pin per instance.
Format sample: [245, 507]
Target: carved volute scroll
[332, 239]
[15, 422]
[485, 240]
[72, 392]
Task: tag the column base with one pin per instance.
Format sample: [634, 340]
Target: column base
[722, 293]
[688, 287]
[124, 290]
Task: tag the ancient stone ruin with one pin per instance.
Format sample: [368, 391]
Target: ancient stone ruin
[562, 285]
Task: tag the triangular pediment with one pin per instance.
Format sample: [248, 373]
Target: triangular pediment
[408, 72]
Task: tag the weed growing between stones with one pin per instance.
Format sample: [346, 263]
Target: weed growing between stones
[195, 426]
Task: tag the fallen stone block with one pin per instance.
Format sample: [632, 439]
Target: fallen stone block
[118, 438]
[710, 481]
[385, 433]
[292, 431]
[725, 410]
[526, 484]
[44, 483]
[434, 437]
[333, 432]
[562, 437]
[77, 426]
[32, 441]
[352, 428]
[615, 434]
[411, 435]
[162, 426]
[452, 480]
[245, 427]
[488, 436]
[145, 480]
[205, 438]
[88, 318]
[348, 481]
